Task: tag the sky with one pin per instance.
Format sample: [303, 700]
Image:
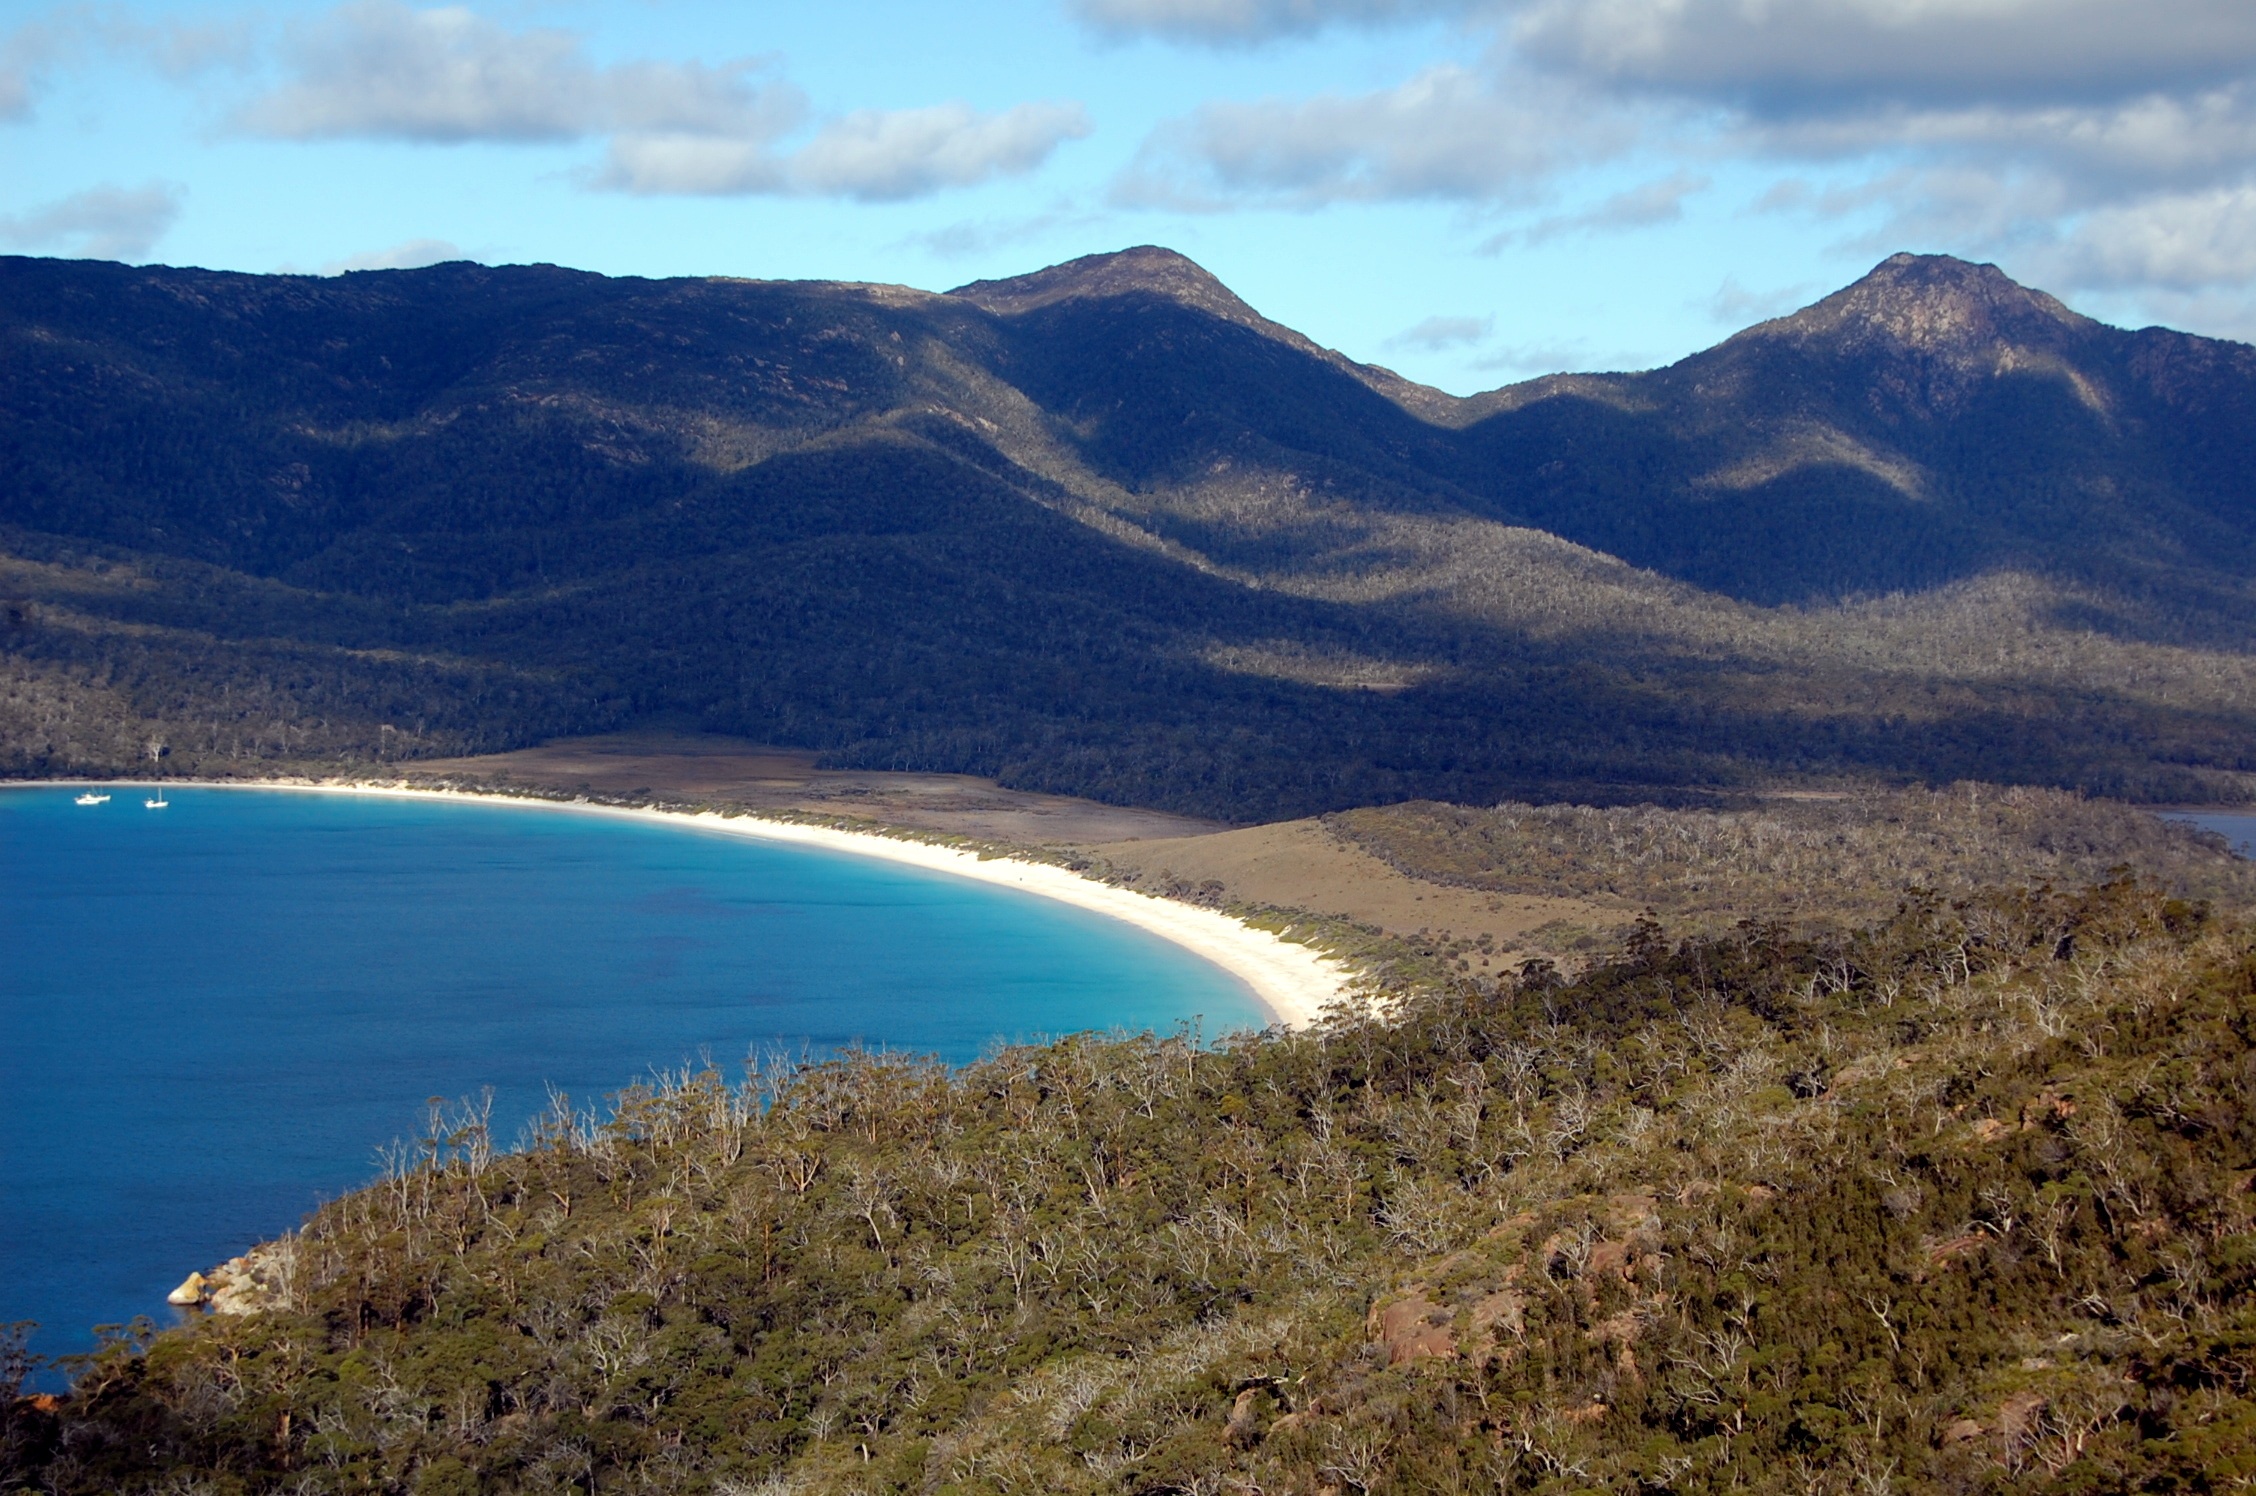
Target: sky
[1468, 191]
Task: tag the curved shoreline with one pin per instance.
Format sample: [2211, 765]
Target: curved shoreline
[1293, 982]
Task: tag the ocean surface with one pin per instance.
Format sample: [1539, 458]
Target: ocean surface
[212, 1015]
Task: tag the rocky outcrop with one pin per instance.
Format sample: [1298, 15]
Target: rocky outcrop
[261, 1279]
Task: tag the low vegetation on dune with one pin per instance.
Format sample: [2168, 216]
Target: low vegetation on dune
[1843, 858]
[1957, 1201]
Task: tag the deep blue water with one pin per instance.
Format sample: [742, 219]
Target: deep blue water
[2239, 830]
[211, 1015]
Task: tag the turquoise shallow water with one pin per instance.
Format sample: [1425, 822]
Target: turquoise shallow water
[211, 1015]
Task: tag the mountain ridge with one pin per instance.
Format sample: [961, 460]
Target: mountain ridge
[1152, 270]
[1106, 529]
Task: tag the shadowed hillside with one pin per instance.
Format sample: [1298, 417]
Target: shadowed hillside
[1106, 530]
[1933, 421]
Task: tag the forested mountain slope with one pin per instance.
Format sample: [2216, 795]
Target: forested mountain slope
[1932, 421]
[1106, 529]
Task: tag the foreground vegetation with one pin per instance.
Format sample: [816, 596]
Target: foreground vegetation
[1956, 1202]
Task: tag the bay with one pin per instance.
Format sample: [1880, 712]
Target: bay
[2240, 830]
[211, 1015]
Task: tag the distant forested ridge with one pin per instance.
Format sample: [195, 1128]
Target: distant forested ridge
[1105, 529]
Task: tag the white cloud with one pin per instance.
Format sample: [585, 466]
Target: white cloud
[1528, 360]
[970, 237]
[2183, 242]
[2097, 150]
[67, 34]
[414, 254]
[888, 155]
[2068, 216]
[1736, 306]
[2107, 144]
[102, 223]
[2103, 144]
[1815, 56]
[1447, 134]
[383, 70]
[28, 53]
[1229, 21]
[378, 69]
[870, 155]
[1637, 207]
[691, 166]
[1436, 333]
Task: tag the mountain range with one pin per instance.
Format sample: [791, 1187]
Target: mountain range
[1106, 529]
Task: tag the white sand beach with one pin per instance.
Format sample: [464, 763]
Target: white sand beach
[1293, 982]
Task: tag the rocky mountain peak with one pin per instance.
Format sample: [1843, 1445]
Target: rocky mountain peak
[1150, 270]
[1146, 270]
[1943, 308]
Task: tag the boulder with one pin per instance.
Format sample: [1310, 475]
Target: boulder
[190, 1291]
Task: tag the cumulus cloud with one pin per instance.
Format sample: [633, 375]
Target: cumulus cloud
[1237, 21]
[101, 223]
[1446, 134]
[414, 254]
[2185, 242]
[888, 155]
[870, 155]
[2104, 144]
[379, 69]
[1819, 55]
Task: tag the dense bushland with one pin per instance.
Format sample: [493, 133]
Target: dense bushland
[1845, 858]
[1958, 1202]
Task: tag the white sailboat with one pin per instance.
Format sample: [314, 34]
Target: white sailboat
[90, 798]
[156, 761]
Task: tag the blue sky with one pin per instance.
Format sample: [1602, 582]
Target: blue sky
[1470, 191]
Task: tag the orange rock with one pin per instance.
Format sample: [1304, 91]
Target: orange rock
[1957, 1246]
[1500, 1310]
[1413, 1329]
